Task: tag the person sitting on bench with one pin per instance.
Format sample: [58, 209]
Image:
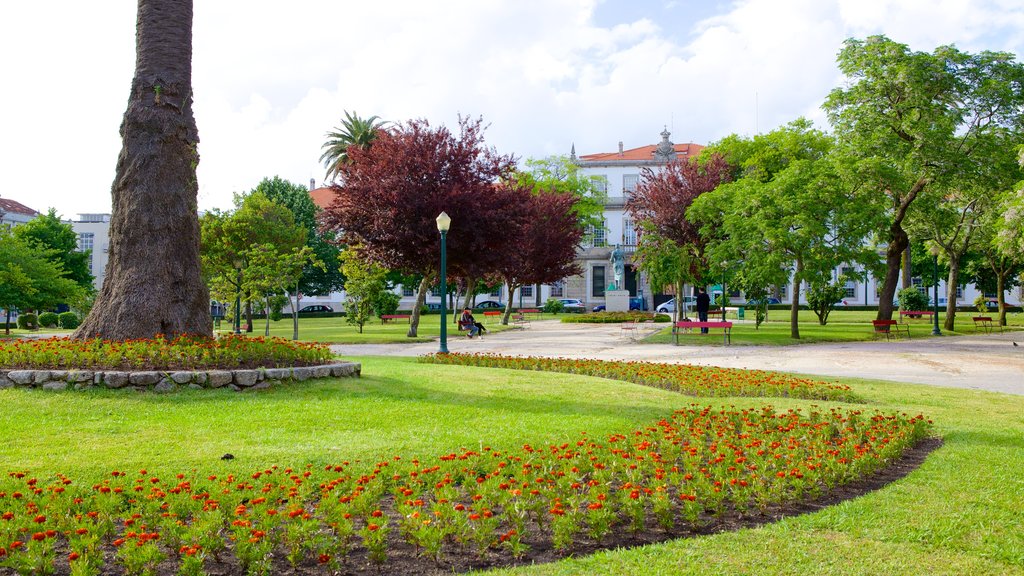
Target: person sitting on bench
[467, 322]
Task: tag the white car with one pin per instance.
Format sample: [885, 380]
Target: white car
[670, 306]
[572, 304]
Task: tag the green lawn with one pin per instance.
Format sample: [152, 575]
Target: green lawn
[843, 326]
[958, 514]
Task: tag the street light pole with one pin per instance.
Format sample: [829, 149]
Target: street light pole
[935, 291]
[725, 333]
[238, 298]
[443, 223]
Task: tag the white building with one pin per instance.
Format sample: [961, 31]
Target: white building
[94, 234]
[13, 213]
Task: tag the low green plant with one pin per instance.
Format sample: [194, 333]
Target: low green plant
[912, 299]
[28, 321]
[981, 303]
[68, 320]
[554, 306]
[616, 317]
[48, 319]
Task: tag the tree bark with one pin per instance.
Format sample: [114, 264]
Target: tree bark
[1001, 299]
[951, 283]
[421, 297]
[794, 307]
[898, 242]
[508, 305]
[153, 284]
[248, 314]
[907, 268]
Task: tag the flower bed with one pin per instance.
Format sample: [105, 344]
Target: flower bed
[685, 378]
[181, 353]
[615, 317]
[455, 511]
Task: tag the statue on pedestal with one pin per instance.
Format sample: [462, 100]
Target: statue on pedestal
[618, 261]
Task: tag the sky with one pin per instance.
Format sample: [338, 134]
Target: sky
[270, 78]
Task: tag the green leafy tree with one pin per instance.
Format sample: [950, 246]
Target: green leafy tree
[271, 272]
[48, 232]
[365, 285]
[559, 174]
[353, 131]
[912, 299]
[908, 120]
[789, 214]
[30, 277]
[822, 296]
[316, 279]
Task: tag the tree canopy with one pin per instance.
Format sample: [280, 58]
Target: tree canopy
[49, 233]
[31, 277]
[353, 131]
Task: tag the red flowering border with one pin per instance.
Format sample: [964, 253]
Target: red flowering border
[691, 380]
[684, 470]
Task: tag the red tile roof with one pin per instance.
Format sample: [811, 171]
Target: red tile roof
[641, 153]
[322, 197]
[16, 207]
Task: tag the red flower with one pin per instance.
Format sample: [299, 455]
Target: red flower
[73, 556]
[372, 527]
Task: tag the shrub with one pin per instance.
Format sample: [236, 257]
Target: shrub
[48, 319]
[386, 303]
[615, 317]
[912, 299]
[981, 303]
[28, 321]
[69, 320]
[554, 306]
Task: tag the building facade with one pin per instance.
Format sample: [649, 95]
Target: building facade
[94, 234]
[13, 213]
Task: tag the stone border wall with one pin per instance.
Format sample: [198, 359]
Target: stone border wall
[170, 381]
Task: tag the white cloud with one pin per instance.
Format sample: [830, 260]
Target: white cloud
[270, 79]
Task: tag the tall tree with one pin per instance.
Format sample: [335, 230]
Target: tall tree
[31, 277]
[46, 231]
[391, 193]
[353, 131]
[316, 279]
[790, 214]
[153, 283]
[542, 248]
[670, 246]
[561, 175]
[910, 119]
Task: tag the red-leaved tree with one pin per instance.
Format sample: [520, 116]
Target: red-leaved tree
[670, 246]
[392, 192]
[543, 247]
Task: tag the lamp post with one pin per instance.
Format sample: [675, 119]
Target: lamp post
[935, 291]
[725, 333]
[443, 223]
[238, 297]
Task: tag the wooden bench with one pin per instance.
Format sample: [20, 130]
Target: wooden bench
[384, 318]
[519, 319]
[985, 323]
[915, 313]
[492, 314]
[889, 329]
[688, 325]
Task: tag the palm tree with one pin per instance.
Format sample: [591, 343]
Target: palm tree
[354, 131]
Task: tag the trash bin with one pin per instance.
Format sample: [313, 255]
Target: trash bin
[739, 313]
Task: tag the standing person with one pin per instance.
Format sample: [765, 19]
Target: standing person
[703, 303]
[467, 322]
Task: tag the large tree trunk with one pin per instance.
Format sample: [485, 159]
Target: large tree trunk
[421, 297]
[152, 283]
[907, 269]
[898, 242]
[1001, 297]
[951, 283]
[508, 305]
[794, 306]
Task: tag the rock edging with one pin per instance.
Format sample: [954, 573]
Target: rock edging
[170, 381]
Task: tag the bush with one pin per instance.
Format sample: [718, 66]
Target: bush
[554, 306]
[912, 299]
[981, 303]
[69, 320]
[28, 321]
[386, 303]
[48, 320]
[615, 317]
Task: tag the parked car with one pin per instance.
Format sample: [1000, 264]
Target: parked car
[572, 304]
[489, 304]
[314, 308]
[635, 303]
[670, 306]
[769, 300]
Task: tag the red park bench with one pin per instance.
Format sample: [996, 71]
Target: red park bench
[985, 323]
[688, 325]
[384, 318]
[889, 329]
[915, 313]
[492, 314]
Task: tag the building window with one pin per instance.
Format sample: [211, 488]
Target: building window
[598, 236]
[558, 289]
[600, 183]
[959, 292]
[851, 286]
[783, 291]
[496, 293]
[628, 233]
[407, 291]
[526, 291]
[85, 240]
[597, 281]
[629, 182]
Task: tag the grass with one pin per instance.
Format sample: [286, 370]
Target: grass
[957, 514]
[843, 326]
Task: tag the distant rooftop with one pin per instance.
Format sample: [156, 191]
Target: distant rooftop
[661, 152]
[12, 206]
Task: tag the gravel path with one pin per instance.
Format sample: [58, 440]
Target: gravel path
[988, 362]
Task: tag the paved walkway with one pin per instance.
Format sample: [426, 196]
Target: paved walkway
[987, 362]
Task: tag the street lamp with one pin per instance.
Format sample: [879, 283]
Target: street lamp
[443, 223]
[935, 291]
[725, 333]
